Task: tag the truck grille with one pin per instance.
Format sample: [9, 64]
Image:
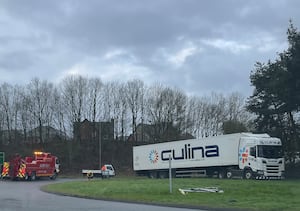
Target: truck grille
[272, 169]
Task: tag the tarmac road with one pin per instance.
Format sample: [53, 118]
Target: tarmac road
[26, 195]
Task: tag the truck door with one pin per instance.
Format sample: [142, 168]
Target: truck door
[110, 170]
[57, 165]
[252, 159]
[247, 157]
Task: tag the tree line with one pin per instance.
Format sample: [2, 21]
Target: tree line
[41, 103]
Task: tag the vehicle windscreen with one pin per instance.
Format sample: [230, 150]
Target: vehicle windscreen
[270, 151]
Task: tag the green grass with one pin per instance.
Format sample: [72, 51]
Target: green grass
[243, 194]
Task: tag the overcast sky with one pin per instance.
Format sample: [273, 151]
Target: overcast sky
[198, 46]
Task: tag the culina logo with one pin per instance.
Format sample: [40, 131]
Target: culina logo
[190, 153]
[187, 152]
[153, 156]
[243, 155]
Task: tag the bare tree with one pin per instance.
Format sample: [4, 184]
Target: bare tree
[135, 95]
[107, 100]
[119, 109]
[2, 138]
[59, 113]
[25, 114]
[166, 109]
[123, 109]
[195, 116]
[74, 89]
[179, 119]
[215, 115]
[94, 91]
[235, 106]
[207, 114]
[6, 107]
[40, 94]
[17, 108]
[238, 119]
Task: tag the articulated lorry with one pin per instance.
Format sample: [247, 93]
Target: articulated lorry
[41, 164]
[244, 155]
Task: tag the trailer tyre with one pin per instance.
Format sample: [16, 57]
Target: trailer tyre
[229, 174]
[248, 174]
[221, 174]
[163, 174]
[152, 174]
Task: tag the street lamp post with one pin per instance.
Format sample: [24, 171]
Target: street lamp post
[100, 147]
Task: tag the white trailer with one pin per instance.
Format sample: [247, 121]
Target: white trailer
[241, 154]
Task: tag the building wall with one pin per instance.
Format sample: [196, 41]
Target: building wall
[93, 131]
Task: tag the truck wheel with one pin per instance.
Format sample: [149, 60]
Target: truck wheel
[104, 176]
[53, 177]
[33, 176]
[248, 174]
[26, 176]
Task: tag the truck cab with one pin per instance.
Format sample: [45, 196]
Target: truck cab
[261, 157]
[108, 170]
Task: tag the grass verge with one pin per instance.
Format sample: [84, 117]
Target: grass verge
[239, 194]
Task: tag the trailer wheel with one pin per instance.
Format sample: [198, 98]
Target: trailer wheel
[248, 174]
[33, 176]
[221, 174]
[229, 174]
[152, 174]
[163, 174]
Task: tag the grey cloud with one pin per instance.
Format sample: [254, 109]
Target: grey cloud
[15, 61]
[62, 33]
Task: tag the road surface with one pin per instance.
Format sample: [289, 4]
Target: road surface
[26, 195]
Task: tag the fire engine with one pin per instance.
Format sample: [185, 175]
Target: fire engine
[41, 164]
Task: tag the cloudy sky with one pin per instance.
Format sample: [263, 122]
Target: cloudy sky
[198, 46]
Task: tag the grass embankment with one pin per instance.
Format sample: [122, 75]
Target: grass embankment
[243, 194]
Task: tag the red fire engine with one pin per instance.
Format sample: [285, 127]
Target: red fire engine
[41, 164]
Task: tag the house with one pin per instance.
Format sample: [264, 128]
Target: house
[45, 134]
[93, 131]
[10, 136]
[155, 133]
